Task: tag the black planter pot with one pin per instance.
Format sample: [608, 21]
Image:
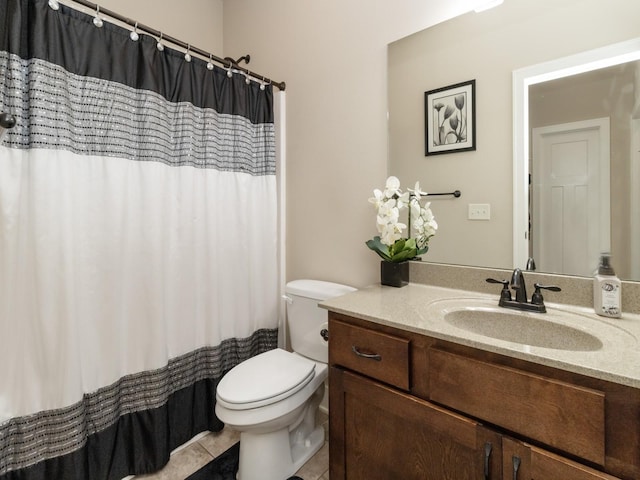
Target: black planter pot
[394, 274]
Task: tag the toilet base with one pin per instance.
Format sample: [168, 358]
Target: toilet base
[272, 457]
[279, 454]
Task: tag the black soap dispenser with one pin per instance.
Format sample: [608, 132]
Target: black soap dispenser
[607, 289]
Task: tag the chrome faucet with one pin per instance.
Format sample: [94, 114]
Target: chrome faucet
[531, 264]
[517, 284]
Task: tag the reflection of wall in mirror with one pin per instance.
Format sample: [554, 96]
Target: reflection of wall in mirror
[608, 92]
[488, 47]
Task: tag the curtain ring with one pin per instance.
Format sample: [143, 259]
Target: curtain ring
[187, 56]
[159, 45]
[229, 72]
[134, 35]
[210, 62]
[54, 4]
[97, 21]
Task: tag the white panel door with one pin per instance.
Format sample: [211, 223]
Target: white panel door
[570, 196]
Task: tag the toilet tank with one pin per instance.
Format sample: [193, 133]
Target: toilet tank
[306, 320]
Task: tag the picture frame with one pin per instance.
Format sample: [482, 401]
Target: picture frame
[450, 119]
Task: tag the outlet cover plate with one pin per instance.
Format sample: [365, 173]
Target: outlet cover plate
[479, 211]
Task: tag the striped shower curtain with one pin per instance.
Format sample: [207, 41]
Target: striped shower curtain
[138, 243]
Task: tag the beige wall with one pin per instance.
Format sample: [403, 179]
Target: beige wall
[332, 55]
[198, 22]
[486, 47]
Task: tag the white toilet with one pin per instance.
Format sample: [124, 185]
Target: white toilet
[272, 398]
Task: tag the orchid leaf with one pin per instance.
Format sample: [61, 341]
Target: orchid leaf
[380, 248]
[404, 255]
[397, 247]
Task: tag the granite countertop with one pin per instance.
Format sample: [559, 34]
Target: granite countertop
[419, 308]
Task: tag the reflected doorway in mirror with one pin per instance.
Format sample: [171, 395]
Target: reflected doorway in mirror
[570, 196]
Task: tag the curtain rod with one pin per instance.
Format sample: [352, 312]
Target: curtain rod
[226, 62]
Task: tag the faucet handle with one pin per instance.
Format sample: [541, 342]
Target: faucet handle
[536, 298]
[505, 293]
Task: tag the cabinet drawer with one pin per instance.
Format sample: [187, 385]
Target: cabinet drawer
[561, 415]
[375, 354]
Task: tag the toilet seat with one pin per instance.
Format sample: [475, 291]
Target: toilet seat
[264, 379]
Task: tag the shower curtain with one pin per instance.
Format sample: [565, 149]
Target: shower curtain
[138, 243]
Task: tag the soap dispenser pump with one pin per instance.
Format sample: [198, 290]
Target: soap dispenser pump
[607, 289]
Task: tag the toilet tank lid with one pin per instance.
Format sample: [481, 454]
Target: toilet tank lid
[317, 289]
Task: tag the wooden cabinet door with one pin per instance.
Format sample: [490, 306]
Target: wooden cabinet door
[525, 462]
[511, 398]
[377, 432]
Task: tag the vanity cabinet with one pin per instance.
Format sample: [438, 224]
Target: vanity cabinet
[405, 405]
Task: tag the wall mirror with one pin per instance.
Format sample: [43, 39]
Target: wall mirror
[503, 51]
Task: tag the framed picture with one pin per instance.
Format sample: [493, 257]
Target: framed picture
[450, 119]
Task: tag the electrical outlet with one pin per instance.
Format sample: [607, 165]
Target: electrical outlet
[479, 211]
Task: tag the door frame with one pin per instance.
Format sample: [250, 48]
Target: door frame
[634, 221]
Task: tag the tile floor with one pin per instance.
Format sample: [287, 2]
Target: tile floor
[195, 455]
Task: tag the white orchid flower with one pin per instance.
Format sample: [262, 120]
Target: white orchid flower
[430, 226]
[389, 209]
[388, 238]
[377, 199]
[391, 233]
[392, 187]
[414, 209]
[403, 200]
[417, 193]
[388, 234]
[385, 222]
[427, 214]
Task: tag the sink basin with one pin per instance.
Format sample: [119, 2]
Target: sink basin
[516, 328]
[556, 329]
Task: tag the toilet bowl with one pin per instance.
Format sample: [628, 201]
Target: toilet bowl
[272, 398]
